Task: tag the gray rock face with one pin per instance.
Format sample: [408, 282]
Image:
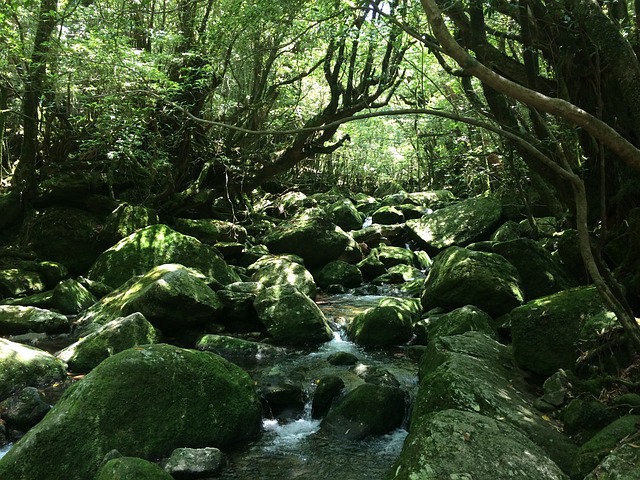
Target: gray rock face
[22, 366]
[109, 339]
[291, 317]
[16, 319]
[459, 224]
[187, 463]
[144, 402]
[460, 277]
[157, 245]
[456, 444]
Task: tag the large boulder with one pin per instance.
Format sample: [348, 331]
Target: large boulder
[16, 319]
[144, 402]
[366, 410]
[281, 270]
[22, 366]
[545, 332]
[453, 444]
[171, 297]
[540, 272]
[157, 245]
[460, 320]
[622, 463]
[338, 273]
[460, 224]
[113, 337]
[291, 317]
[460, 277]
[311, 236]
[344, 214]
[473, 373]
[389, 323]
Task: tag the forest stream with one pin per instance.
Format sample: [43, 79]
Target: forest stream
[291, 445]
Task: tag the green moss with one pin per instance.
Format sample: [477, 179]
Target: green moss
[143, 402]
[131, 468]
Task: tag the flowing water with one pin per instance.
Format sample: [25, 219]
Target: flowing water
[293, 446]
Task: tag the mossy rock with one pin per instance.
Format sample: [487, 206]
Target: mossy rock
[237, 348]
[282, 270]
[68, 236]
[22, 366]
[602, 443]
[388, 215]
[16, 282]
[327, 390]
[71, 297]
[17, 319]
[474, 373]
[460, 277]
[540, 273]
[291, 317]
[545, 332]
[382, 325]
[113, 337]
[344, 214]
[157, 245]
[366, 410]
[143, 402]
[459, 224]
[338, 273]
[460, 320]
[172, 297]
[453, 444]
[211, 231]
[131, 468]
[310, 235]
[125, 220]
[623, 463]
[391, 256]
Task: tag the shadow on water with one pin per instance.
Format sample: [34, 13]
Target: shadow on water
[293, 446]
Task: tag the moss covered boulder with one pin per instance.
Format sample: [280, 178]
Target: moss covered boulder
[211, 231]
[172, 297]
[344, 214]
[71, 297]
[623, 463]
[460, 277]
[283, 270]
[388, 215]
[473, 373]
[22, 366]
[291, 317]
[602, 443]
[16, 319]
[338, 273]
[546, 331]
[131, 468]
[461, 320]
[541, 274]
[389, 323]
[17, 282]
[459, 224]
[310, 235]
[157, 245]
[237, 348]
[366, 410]
[454, 444]
[143, 402]
[109, 339]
